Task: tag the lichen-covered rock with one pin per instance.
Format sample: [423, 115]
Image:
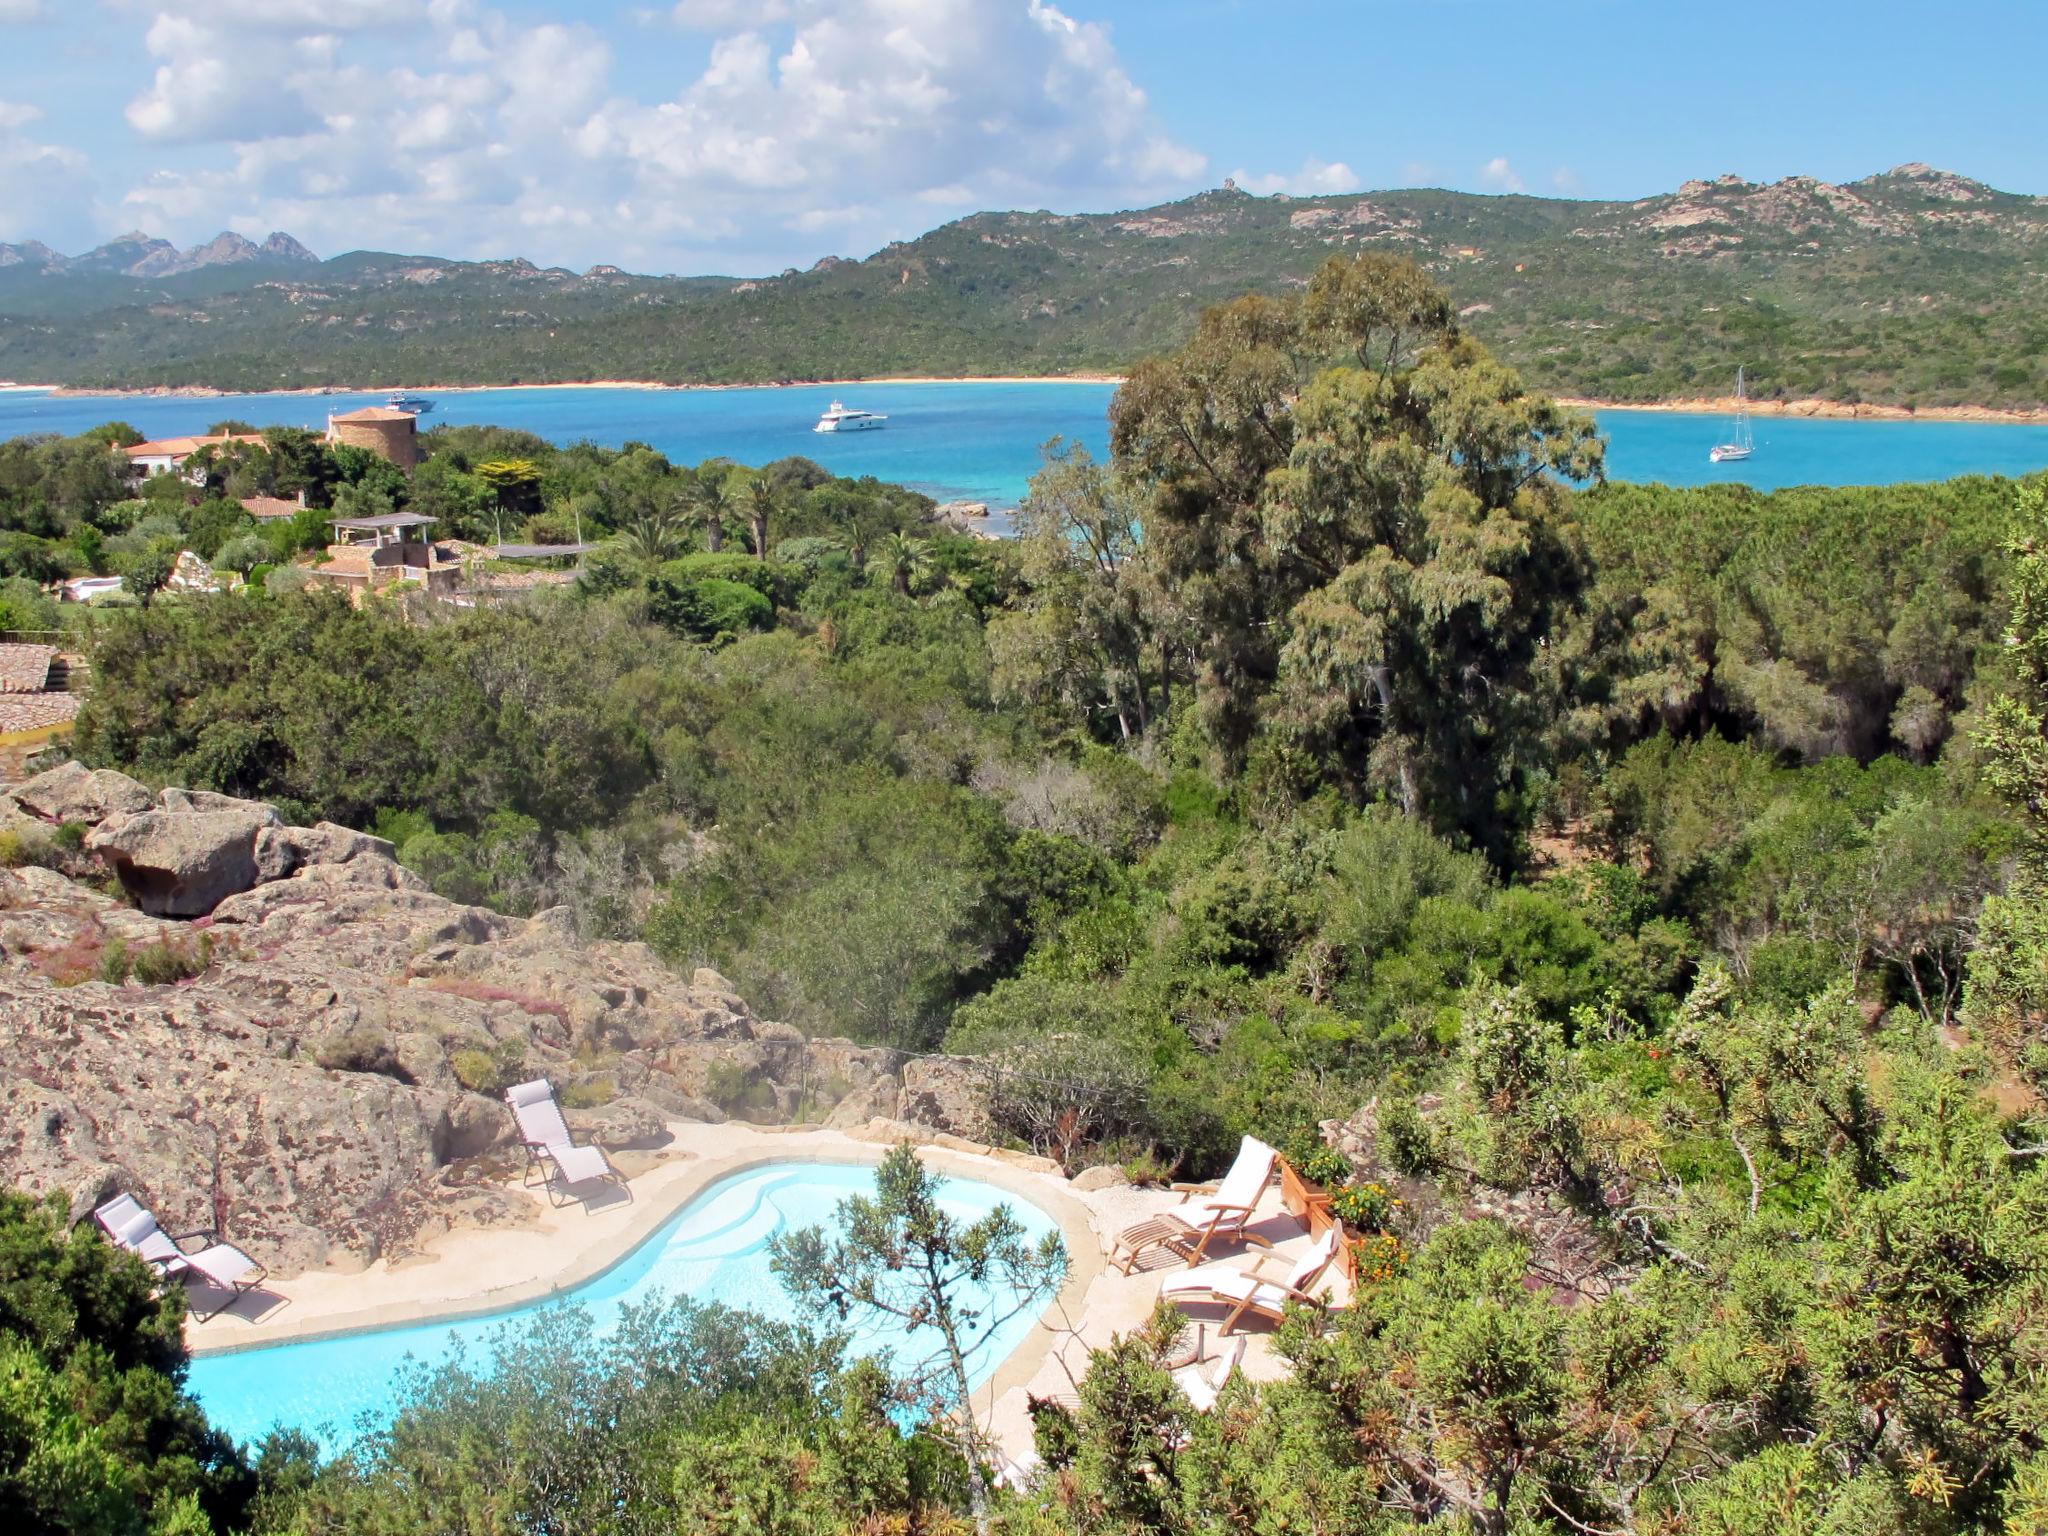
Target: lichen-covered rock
[74, 792]
[945, 1093]
[183, 863]
[212, 800]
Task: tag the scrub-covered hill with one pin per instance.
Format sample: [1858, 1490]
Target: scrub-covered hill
[1915, 287]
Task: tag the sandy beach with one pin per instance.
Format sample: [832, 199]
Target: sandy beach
[1817, 410]
[207, 392]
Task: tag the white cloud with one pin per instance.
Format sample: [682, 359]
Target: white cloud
[1499, 176]
[853, 121]
[1316, 178]
[204, 91]
[728, 15]
[21, 10]
[1567, 181]
[43, 187]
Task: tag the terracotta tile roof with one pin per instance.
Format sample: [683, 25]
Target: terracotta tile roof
[25, 668]
[264, 508]
[184, 447]
[34, 711]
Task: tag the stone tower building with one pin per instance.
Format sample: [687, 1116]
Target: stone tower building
[393, 434]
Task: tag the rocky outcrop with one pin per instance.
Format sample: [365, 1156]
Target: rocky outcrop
[76, 793]
[308, 1057]
[184, 863]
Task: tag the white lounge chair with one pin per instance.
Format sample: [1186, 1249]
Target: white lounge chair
[221, 1266]
[1188, 1229]
[545, 1135]
[1203, 1382]
[1246, 1290]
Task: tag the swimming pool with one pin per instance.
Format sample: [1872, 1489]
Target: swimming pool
[715, 1249]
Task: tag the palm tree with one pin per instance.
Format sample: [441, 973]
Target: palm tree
[652, 538]
[906, 560]
[713, 503]
[763, 502]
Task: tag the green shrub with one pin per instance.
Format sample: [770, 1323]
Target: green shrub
[1365, 1208]
[1325, 1166]
[776, 582]
[399, 827]
[736, 1088]
[71, 836]
[590, 1092]
[162, 963]
[476, 1070]
[20, 846]
[707, 608]
[115, 963]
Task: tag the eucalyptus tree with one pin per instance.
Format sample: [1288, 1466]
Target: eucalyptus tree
[1363, 515]
[1088, 636]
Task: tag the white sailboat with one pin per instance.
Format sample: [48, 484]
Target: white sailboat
[1743, 443]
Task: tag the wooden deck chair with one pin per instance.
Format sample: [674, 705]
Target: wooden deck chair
[1247, 1290]
[1190, 1228]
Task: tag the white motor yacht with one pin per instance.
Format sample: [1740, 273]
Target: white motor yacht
[840, 419]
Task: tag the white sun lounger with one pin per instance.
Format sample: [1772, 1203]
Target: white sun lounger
[1189, 1228]
[221, 1266]
[545, 1135]
[1246, 1290]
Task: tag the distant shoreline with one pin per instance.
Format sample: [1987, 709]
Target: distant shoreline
[1704, 405]
[1819, 410]
[209, 392]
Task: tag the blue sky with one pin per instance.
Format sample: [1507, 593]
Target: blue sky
[746, 135]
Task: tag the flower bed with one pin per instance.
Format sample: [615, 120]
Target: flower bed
[1367, 1251]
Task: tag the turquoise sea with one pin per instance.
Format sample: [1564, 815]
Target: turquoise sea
[980, 442]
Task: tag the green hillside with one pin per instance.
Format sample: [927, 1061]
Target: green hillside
[1917, 287]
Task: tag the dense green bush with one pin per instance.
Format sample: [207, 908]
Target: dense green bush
[95, 1433]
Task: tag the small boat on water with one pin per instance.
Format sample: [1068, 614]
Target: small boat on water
[417, 405]
[840, 419]
[1743, 443]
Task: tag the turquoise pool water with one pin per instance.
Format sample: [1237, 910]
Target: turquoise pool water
[713, 1250]
[980, 441]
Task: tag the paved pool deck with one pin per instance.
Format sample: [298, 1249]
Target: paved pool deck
[475, 1270]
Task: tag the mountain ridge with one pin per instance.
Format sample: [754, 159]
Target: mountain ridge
[141, 254]
[1912, 287]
